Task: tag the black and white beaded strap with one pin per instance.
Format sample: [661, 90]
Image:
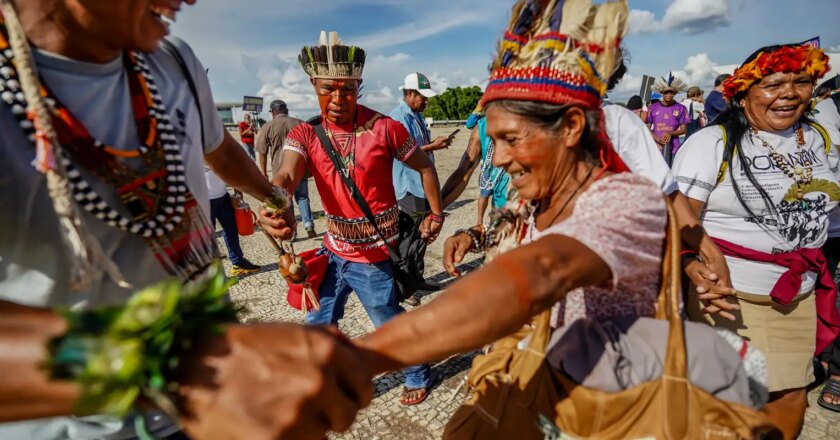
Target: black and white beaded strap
[171, 209]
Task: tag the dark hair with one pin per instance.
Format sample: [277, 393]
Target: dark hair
[823, 90]
[635, 103]
[735, 123]
[278, 106]
[549, 117]
[721, 78]
[617, 76]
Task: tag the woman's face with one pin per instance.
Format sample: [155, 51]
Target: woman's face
[778, 101]
[534, 157]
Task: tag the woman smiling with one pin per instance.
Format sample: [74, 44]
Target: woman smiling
[764, 180]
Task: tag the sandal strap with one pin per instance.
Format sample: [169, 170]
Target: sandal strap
[832, 386]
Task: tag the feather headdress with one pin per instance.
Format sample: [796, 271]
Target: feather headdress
[561, 52]
[672, 83]
[331, 59]
[558, 51]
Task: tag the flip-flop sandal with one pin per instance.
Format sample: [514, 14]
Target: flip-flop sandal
[832, 386]
[406, 391]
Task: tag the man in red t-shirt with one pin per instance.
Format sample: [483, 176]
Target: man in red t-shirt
[368, 144]
[247, 130]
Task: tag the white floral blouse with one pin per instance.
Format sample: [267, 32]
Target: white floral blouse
[621, 218]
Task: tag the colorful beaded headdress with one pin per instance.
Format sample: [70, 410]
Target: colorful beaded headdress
[787, 58]
[561, 52]
[331, 59]
[672, 83]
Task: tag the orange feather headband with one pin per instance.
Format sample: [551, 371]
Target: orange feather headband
[806, 59]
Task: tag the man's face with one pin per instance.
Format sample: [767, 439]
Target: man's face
[416, 102]
[337, 99]
[123, 24]
[668, 96]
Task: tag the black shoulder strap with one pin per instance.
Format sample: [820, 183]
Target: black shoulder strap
[170, 48]
[357, 196]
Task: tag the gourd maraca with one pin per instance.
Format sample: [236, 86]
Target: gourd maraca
[291, 267]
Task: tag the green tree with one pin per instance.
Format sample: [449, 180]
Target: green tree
[454, 104]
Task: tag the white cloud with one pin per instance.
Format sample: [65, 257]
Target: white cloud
[697, 16]
[834, 49]
[689, 16]
[643, 22]
[629, 85]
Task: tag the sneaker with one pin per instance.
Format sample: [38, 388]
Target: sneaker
[245, 267]
[412, 300]
[310, 232]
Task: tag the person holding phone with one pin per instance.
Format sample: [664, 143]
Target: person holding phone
[417, 89]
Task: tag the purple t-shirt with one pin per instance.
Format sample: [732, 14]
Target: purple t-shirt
[667, 119]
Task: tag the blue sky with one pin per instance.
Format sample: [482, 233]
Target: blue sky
[250, 45]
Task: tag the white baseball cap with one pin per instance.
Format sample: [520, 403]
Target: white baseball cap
[419, 82]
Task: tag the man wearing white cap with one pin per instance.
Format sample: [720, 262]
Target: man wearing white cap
[417, 89]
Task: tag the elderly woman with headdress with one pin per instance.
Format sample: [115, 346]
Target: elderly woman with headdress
[764, 180]
[591, 234]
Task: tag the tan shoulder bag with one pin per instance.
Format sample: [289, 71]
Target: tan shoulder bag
[518, 395]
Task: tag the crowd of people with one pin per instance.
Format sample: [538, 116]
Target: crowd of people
[597, 210]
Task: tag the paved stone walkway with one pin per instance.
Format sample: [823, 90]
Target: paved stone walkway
[264, 296]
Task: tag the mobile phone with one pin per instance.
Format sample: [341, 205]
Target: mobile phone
[452, 136]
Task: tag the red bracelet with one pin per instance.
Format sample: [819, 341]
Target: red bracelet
[437, 218]
[687, 252]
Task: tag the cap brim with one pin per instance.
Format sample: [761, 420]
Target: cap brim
[429, 93]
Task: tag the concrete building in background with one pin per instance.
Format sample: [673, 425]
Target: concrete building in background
[225, 110]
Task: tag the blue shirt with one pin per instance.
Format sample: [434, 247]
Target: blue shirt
[406, 180]
[489, 173]
[714, 105]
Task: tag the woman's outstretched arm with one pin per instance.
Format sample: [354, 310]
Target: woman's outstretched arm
[486, 305]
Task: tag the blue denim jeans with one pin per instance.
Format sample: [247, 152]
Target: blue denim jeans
[374, 285]
[221, 209]
[249, 148]
[302, 200]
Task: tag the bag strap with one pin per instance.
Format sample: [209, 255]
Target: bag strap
[170, 48]
[822, 131]
[357, 196]
[674, 381]
[724, 164]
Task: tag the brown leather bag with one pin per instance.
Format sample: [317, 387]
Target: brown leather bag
[518, 395]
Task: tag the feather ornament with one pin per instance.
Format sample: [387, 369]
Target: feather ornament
[332, 59]
[661, 84]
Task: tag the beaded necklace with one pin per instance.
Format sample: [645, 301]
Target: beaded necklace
[350, 159]
[159, 205]
[489, 175]
[801, 174]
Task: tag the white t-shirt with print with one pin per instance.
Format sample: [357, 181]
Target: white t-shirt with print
[826, 114]
[633, 142]
[797, 225]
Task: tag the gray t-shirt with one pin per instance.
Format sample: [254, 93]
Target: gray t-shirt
[33, 266]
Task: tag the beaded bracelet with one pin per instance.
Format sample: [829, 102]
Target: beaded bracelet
[118, 354]
[437, 218]
[477, 239]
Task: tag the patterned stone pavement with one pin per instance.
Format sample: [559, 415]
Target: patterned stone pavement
[264, 296]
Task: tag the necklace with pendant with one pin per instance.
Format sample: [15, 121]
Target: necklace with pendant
[802, 173]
